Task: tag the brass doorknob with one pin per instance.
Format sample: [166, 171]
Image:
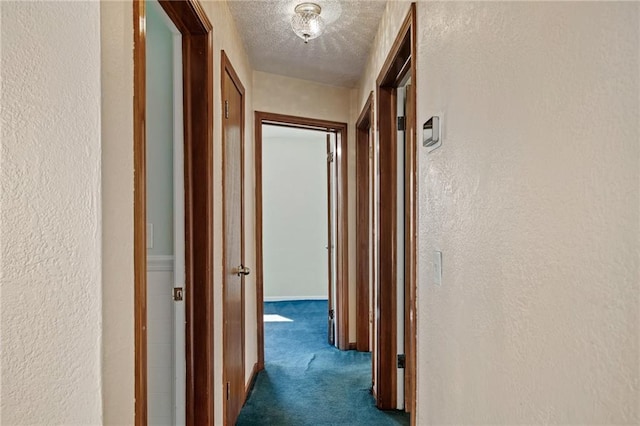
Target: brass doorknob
[243, 270]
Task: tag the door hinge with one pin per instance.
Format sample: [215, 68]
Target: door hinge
[402, 125]
[226, 109]
[330, 157]
[228, 390]
[178, 294]
[401, 361]
[331, 314]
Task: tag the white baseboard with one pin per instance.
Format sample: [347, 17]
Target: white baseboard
[292, 298]
[160, 263]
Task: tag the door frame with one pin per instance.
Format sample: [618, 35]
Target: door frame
[197, 56]
[227, 68]
[364, 228]
[400, 61]
[342, 271]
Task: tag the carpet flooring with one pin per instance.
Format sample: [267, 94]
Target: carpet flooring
[306, 381]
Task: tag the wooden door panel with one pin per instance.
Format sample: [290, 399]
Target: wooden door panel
[233, 248]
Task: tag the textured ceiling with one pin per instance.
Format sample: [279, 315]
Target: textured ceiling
[337, 57]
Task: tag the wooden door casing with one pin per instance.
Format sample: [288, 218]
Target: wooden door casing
[197, 56]
[364, 168]
[233, 241]
[399, 64]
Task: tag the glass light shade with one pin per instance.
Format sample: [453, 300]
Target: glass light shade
[307, 23]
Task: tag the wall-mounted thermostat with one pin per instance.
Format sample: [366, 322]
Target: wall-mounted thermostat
[431, 133]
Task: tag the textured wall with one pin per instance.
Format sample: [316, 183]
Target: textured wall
[295, 223]
[51, 213]
[302, 98]
[534, 201]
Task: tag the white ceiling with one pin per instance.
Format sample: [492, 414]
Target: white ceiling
[337, 57]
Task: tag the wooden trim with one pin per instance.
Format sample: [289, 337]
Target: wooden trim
[353, 346]
[188, 16]
[139, 210]
[300, 122]
[400, 61]
[342, 243]
[251, 382]
[225, 66]
[363, 231]
[197, 51]
[395, 64]
[365, 119]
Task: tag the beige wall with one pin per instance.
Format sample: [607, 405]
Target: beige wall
[50, 205]
[285, 95]
[533, 200]
[117, 212]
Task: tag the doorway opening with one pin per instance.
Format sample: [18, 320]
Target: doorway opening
[165, 220]
[298, 228]
[192, 147]
[395, 367]
[337, 261]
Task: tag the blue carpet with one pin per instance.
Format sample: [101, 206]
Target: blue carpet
[306, 381]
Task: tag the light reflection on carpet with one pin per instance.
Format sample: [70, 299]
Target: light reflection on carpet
[276, 318]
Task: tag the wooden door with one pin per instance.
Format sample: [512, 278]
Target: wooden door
[363, 225]
[233, 243]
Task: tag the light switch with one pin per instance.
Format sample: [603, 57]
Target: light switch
[437, 268]
[149, 235]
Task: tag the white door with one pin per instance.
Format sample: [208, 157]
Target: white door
[400, 253]
[179, 343]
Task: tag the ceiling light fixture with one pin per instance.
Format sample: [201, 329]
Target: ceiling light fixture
[307, 23]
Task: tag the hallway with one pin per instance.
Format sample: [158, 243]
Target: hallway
[308, 382]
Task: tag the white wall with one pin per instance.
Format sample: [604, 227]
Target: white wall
[533, 200]
[295, 225]
[302, 98]
[50, 205]
[159, 154]
[159, 130]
